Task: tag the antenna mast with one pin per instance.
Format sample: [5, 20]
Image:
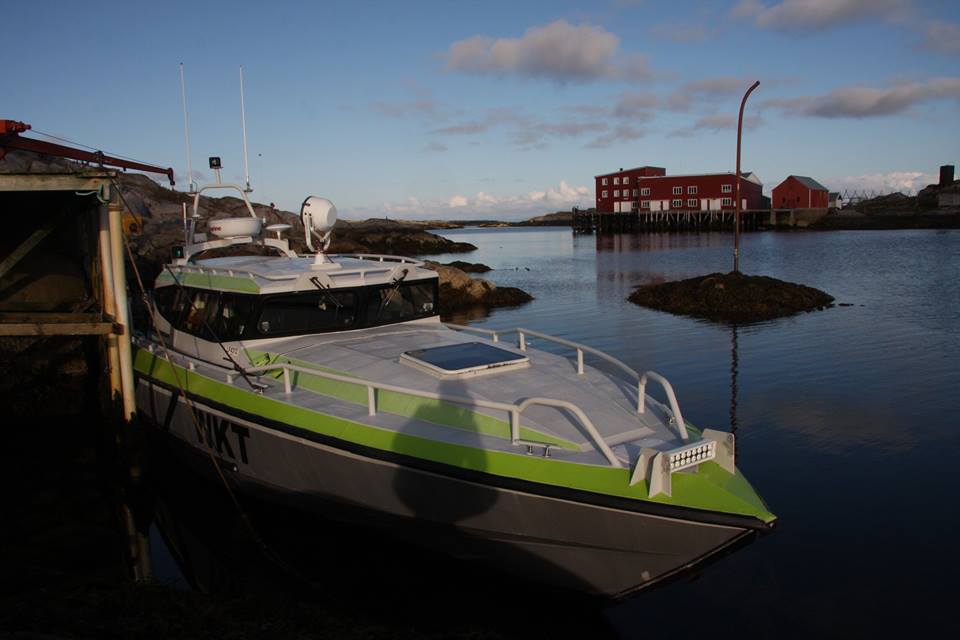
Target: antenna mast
[243, 121]
[186, 131]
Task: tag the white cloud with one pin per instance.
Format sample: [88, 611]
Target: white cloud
[708, 88]
[814, 15]
[623, 133]
[483, 205]
[718, 122]
[866, 102]
[903, 181]
[942, 37]
[558, 51]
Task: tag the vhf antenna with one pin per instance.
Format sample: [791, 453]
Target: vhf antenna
[243, 122]
[186, 131]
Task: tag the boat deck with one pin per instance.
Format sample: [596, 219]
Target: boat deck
[373, 355]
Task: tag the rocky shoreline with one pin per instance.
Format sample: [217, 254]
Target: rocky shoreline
[160, 212]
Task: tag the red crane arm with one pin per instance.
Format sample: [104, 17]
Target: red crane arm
[10, 139]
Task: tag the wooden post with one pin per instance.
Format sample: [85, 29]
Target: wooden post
[108, 301]
[115, 215]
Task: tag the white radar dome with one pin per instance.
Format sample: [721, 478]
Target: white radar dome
[322, 214]
[235, 227]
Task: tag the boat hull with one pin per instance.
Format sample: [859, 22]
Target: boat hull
[563, 538]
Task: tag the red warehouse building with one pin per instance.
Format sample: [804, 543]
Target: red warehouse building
[651, 189]
[800, 192]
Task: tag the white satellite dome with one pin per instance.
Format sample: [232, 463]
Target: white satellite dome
[321, 212]
[235, 227]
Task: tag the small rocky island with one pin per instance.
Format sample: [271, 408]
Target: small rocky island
[731, 297]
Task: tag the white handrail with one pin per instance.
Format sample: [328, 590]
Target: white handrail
[671, 397]
[581, 349]
[377, 257]
[513, 410]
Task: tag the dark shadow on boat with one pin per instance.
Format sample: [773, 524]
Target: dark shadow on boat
[347, 571]
[471, 519]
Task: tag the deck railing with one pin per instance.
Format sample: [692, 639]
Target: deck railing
[514, 411]
[581, 349]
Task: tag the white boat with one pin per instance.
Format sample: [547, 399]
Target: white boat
[330, 383]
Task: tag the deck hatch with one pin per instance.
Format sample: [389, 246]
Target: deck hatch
[464, 359]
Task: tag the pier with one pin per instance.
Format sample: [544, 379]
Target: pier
[65, 310]
[679, 220]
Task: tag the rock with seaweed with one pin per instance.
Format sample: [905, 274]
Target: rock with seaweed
[731, 297]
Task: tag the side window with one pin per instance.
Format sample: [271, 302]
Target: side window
[234, 316]
[406, 302]
[201, 313]
[165, 298]
[307, 313]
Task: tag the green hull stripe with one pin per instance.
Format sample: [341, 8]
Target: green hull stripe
[711, 489]
[208, 281]
[438, 412]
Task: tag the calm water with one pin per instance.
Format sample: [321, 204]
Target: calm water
[846, 419]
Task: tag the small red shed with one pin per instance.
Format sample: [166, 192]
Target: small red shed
[800, 192]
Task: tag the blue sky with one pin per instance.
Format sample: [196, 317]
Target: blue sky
[496, 109]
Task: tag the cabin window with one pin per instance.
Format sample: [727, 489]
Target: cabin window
[307, 313]
[165, 298]
[234, 316]
[402, 302]
[200, 313]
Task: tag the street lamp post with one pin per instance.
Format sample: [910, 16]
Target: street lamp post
[736, 221]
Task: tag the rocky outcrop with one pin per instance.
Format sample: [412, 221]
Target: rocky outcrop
[161, 213]
[731, 297]
[558, 219]
[469, 267]
[461, 294]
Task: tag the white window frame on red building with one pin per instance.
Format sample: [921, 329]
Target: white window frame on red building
[693, 202]
[603, 194]
[603, 181]
[692, 190]
[644, 204]
[645, 191]
[616, 180]
[616, 193]
[678, 191]
[676, 204]
[726, 202]
[726, 188]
